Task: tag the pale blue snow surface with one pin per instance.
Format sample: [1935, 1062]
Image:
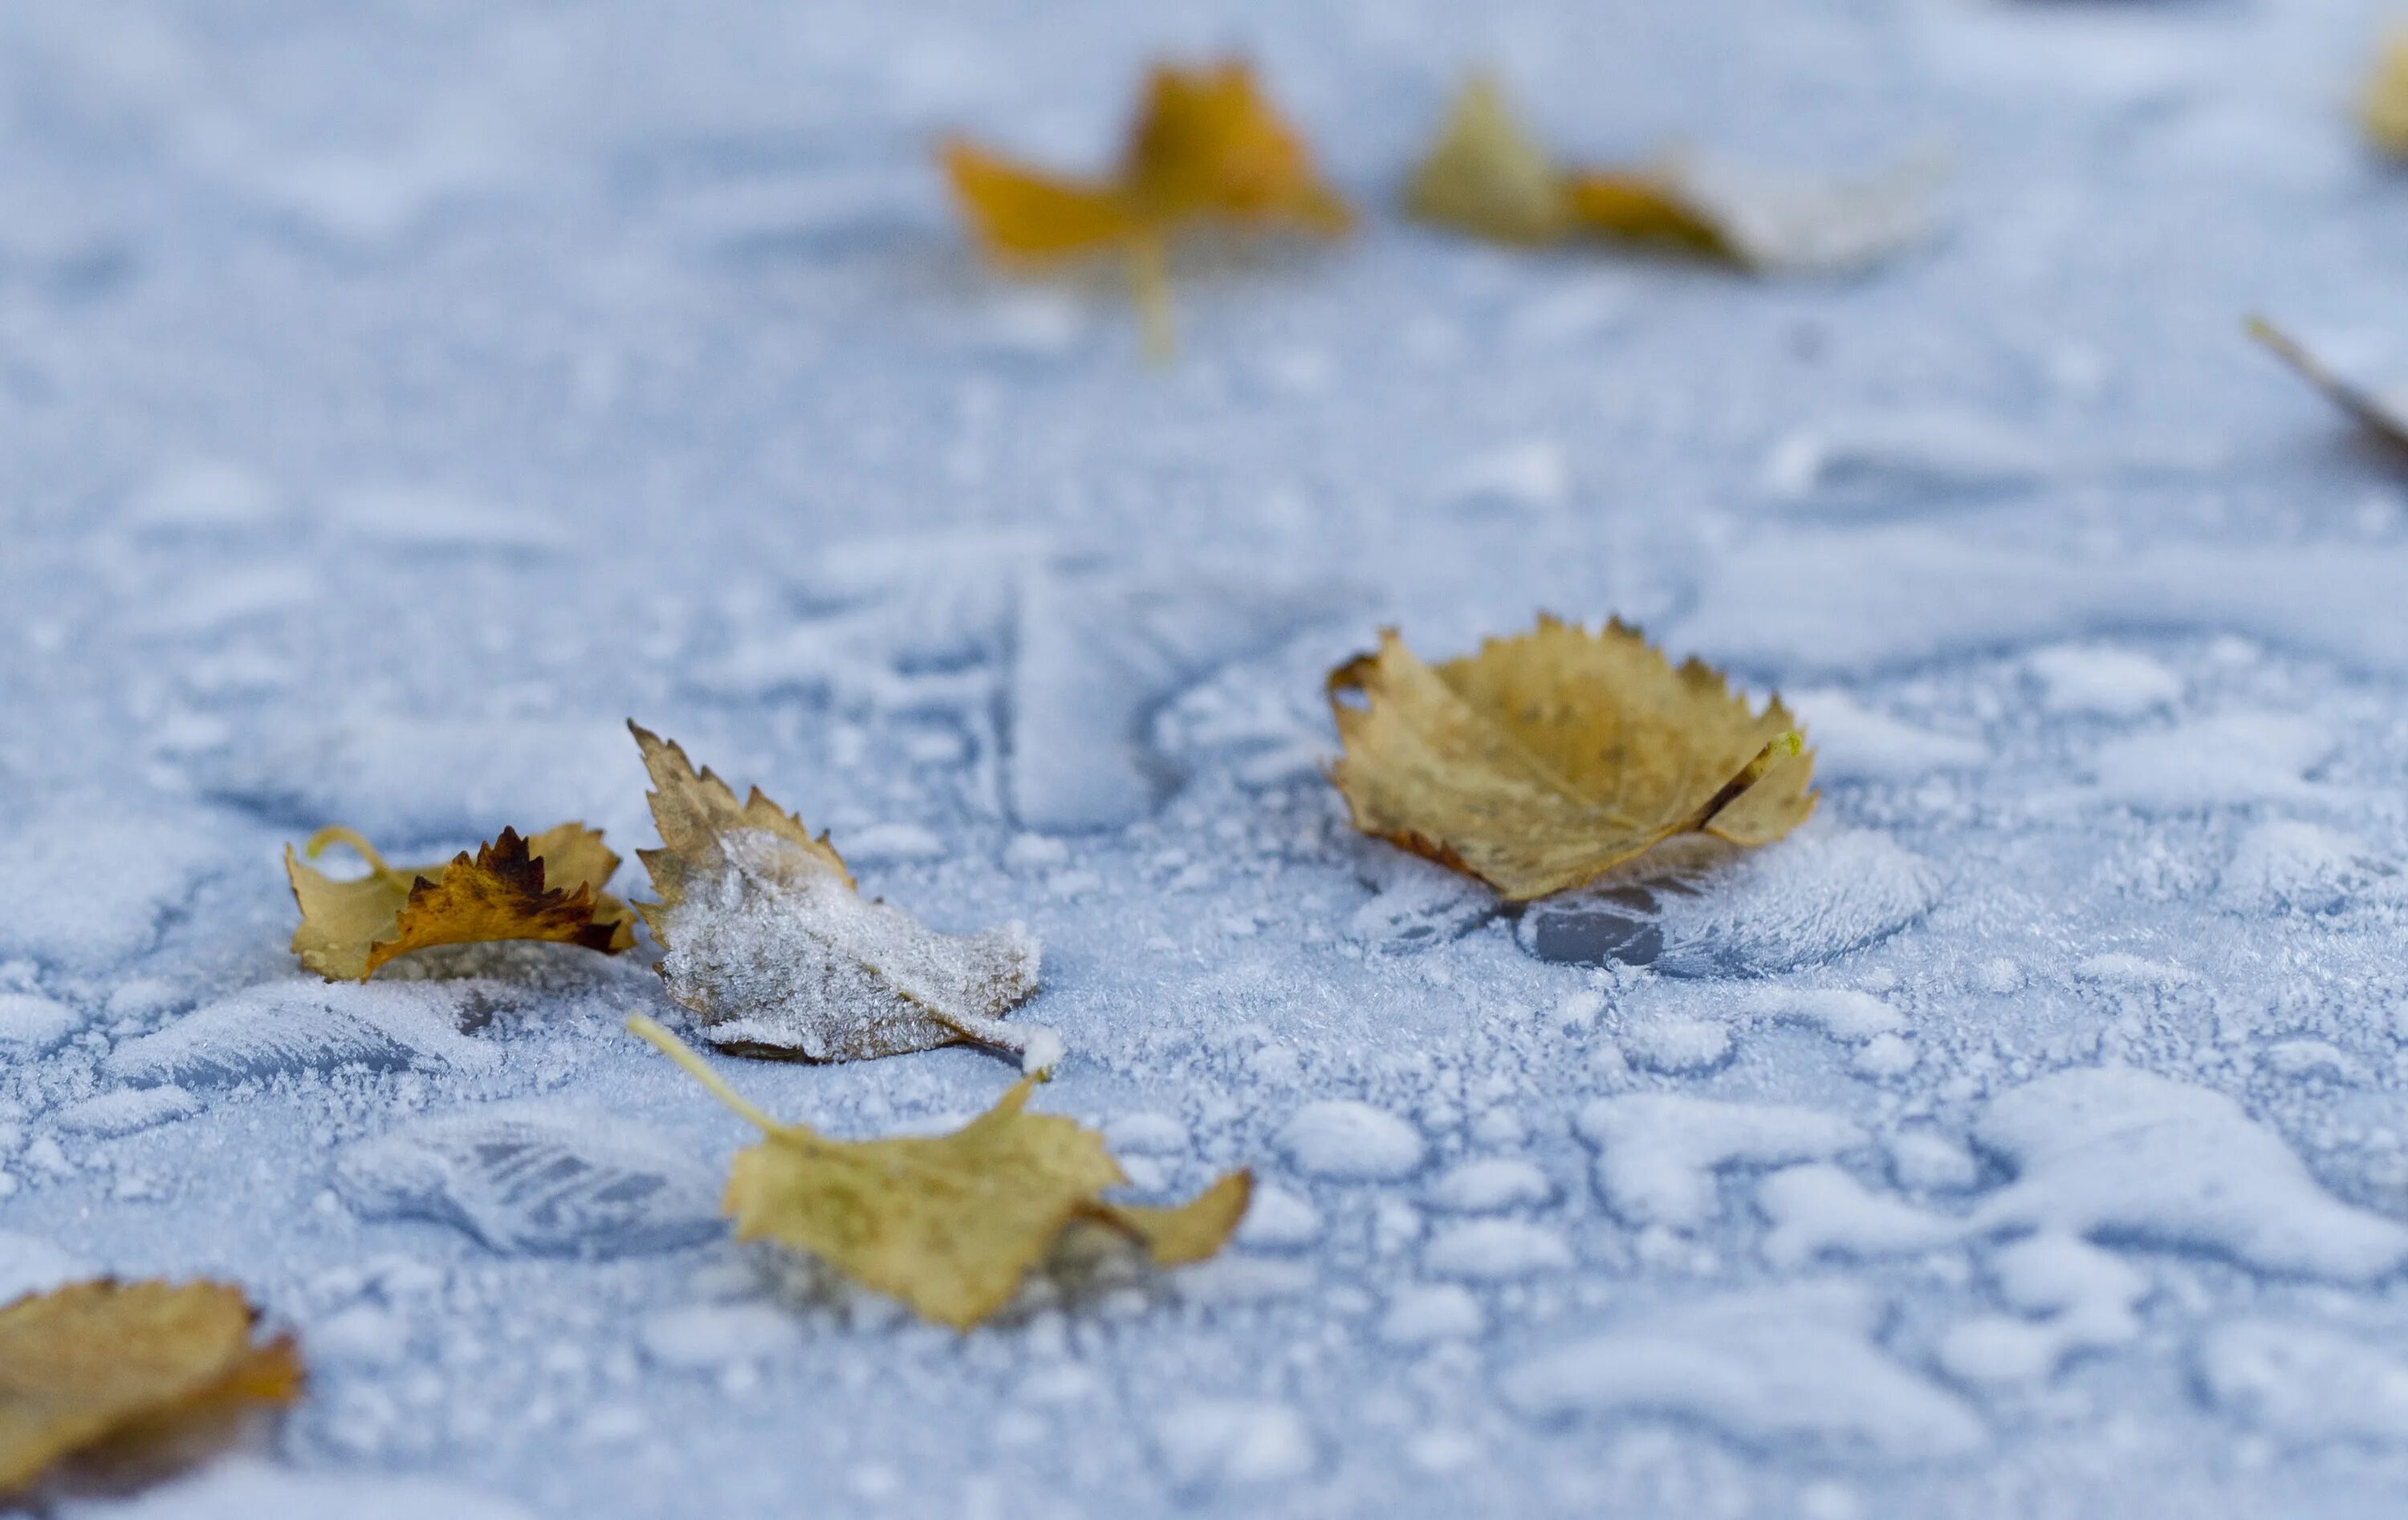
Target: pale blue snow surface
[395, 398]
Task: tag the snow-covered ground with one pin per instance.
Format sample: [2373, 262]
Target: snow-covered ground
[395, 399]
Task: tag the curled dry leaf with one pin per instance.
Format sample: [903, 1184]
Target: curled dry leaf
[1206, 147]
[775, 950]
[1548, 758]
[949, 1224]
[101, 1368]
[2384, 414]
[2384, 112]
[1485, 175]
[547, 888]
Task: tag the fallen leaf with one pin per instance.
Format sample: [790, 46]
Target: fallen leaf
[1486, 175]
[2384, 112]
[949, 1224]
[1206, 147]
[775, 950]
[1548, 758]
[547, 888]
[119, 1365]
[2384, 415]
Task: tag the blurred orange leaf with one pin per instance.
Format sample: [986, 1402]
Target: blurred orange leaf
[1206, 148]
[103, 1367]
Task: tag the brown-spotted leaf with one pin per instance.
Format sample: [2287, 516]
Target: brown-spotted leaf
[1548, 758]
[96, 1367]
[547, 888]
[949, 1223]
[775, 950]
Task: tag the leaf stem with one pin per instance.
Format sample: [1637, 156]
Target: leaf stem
[1150, 286]
[676, 1050]
[337, 834]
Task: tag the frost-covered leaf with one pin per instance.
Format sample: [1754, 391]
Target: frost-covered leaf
[95, 1368]
[549, 888]
[949, 1224]
[1548, 758]
[1485, 175]
[1206, 148]
[775, 950]
[2384, 414]
[2384, 112]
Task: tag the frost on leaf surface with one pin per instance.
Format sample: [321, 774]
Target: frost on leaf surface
[548, 887]
[1548, 758]
[949, 1224]
[775, 950]
[1486, 175]
[106, 1362]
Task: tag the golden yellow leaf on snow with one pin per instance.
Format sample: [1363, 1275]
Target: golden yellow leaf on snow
[775, 950]
[1548, 758]
[2384, 414]
[949, 1224]
[97, 1368]
[548, 888]
[2384, 112]
[1486, 175]
[1206, 147]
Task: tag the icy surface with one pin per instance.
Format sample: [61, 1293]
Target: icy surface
[395, 399]
[536, 1177]
[2121, 1154]
[1791, 1369]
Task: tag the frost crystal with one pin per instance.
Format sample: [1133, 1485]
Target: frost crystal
[777, 958]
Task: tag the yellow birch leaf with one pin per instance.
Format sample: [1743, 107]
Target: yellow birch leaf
[2384, 415]
[773, 948]
[1024, 214]
[99, 1368]
[547, 888]
[1487, 175]
[1548, 758]
[949, 1223]
[1645, 206]
[2384, 112]
[1206, 147]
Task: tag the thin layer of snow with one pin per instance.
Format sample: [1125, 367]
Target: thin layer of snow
[2122, 1154]
[1350, 1141]
[1658, 1152]
[1793, 1367]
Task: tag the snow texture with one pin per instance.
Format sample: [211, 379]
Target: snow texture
[397, 398]
[1826, 893]
[1658, 1152]
[1796, 1369]
[1351, 1141]
[536, 1177]
[2120, 1154]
